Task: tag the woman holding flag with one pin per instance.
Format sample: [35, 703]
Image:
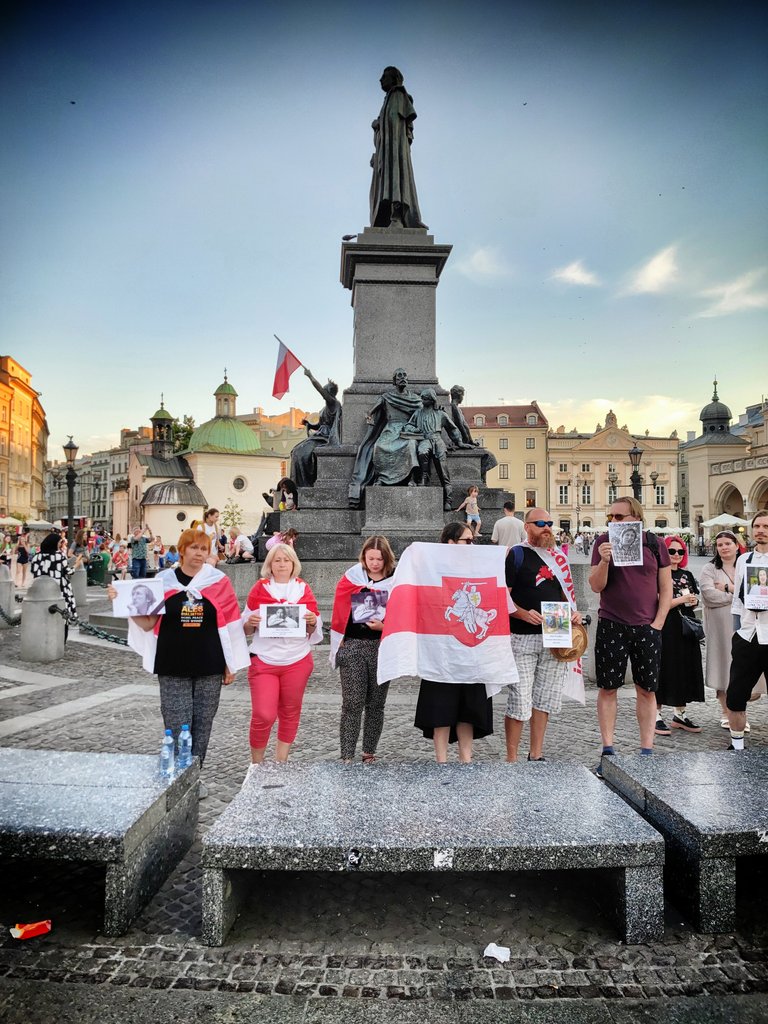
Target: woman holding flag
[355, 646]
[451, 712]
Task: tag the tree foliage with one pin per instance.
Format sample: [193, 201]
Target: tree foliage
[182, 432]
[232, 515]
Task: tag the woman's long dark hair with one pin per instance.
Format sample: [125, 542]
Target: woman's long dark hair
[453, 532]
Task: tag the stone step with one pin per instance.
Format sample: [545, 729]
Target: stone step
[109, 623]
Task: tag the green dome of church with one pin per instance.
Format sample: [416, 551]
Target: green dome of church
[226, 435]
[225, 389]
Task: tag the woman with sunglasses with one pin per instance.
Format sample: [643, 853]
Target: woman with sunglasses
[454, 712]
[681, 677]
[717, 578]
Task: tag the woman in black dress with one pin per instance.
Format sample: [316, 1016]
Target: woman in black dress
[451, 712]
[681, 677]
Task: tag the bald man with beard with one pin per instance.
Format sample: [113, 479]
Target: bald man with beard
[539, 690]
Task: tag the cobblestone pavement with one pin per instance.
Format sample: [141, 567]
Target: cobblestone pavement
[313, 946]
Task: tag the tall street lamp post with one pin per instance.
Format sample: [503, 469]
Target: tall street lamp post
[70, 450]
[635, 455]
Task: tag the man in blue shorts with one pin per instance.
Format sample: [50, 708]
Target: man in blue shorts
[634, 601]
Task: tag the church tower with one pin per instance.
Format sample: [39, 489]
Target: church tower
[162, 433]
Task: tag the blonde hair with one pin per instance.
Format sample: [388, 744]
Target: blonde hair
[636, 509]
[266, 569]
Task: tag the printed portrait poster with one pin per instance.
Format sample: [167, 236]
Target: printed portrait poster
[756, 587]
[626, 541]
[282, 620]
[556, 628]
[138, 597]
[367, 605]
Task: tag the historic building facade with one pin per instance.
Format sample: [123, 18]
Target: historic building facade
[517, 436]
[23, 443]
[588, 471]
[725, 469]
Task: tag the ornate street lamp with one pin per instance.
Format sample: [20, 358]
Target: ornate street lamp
[70, 450]
[635, 455]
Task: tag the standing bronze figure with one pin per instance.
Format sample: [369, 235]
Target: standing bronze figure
[393, 190]
[327, 431]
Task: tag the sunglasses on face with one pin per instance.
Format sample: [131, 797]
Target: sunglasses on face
[541, 523]
[466, 540]
[676, 551]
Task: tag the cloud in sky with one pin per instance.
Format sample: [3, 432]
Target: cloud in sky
[736, 296]
[656, 275]
[484, 263]
[575, 273]
[661, 414]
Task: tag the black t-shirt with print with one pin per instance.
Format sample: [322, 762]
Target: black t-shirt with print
[529, 585]
[188, 644]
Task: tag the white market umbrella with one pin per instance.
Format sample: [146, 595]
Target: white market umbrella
[40, 524]
[725, 520]
[10, 521]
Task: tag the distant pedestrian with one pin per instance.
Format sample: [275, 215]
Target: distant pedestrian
[51, 561]
[509, 530]
[139, 543]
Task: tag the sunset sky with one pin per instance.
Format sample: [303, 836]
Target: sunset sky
[177, 178]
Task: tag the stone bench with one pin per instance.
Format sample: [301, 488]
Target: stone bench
[105, 808]
[711, 808]
[416, 817]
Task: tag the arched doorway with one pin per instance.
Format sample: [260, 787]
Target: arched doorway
[758, 495]
[730, 501]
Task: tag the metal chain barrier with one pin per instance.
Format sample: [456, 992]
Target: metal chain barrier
[11, 620]
[86, 627]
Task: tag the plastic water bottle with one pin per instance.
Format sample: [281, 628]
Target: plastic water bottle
[167, 758]
[184, 755]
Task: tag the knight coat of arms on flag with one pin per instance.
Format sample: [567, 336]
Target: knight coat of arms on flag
[448, 617]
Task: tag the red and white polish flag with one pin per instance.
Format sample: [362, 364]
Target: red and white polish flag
[286, 364]
[448, 617]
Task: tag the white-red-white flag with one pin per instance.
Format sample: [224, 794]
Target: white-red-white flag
[448, 617]
[286, 364]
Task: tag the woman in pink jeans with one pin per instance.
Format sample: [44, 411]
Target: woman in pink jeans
[280, 665]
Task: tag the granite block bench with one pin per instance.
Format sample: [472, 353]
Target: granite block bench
[712, 809]
[105, 808]
[418, 817]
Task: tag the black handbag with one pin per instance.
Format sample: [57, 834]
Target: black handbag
[692, 628]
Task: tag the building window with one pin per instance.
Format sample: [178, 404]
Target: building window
[611, 467]
[479, 421]
[530, 471]
[586, 494]
[503, 420]
[181, 516]
[503, 442]
[682, 479]
[661, 523]
[530, 499]
[587, 522]
[661, 494]
[531, 419]
[563, 467]
[613, 494]
[503, 471]
[586, 467]
[562, 494]
[238, 483]
[530, 442]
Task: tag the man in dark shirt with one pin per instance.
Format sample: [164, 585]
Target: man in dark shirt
[539, 690]
[634, 601]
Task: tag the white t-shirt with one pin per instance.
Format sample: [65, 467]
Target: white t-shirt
[508, 532]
